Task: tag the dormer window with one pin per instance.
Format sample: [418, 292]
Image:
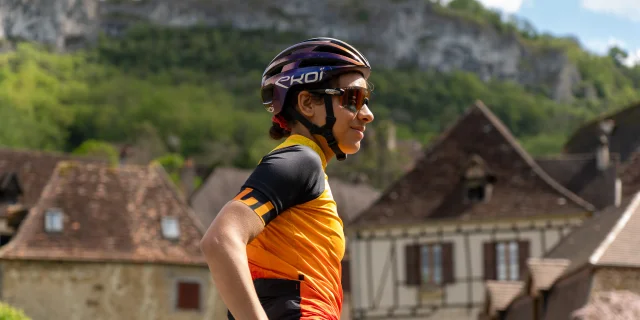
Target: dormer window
[10, 188]
[53, 220]
[477, 181]
[170, 228]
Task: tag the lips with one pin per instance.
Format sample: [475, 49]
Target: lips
[358, 128]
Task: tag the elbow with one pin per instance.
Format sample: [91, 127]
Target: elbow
[210, 244]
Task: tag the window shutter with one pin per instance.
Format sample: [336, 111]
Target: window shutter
[523, 255]
[412, 263]
[188, 295]
[489, 254]
[346, 276]
[448, 267]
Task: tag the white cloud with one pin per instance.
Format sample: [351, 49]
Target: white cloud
[628, 9]
[601, 47]
[506, 6]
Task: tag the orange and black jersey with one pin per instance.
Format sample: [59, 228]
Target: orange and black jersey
[295, 260]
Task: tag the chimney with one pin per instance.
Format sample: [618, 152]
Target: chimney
[618, 194]
[603, 157]
[187, 177]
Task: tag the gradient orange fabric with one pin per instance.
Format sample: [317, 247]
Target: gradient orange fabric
[304, 242]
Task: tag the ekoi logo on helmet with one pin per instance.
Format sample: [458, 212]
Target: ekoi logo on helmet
[305, 78]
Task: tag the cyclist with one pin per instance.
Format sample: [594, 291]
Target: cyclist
[275, 250]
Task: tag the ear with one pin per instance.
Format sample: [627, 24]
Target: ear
[306, 104]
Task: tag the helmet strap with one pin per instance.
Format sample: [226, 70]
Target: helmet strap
[325, 131]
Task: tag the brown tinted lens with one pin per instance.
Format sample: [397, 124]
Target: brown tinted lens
[354, 98]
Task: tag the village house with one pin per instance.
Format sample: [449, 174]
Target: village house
[599, 257]
[474, 208]
[102, 242]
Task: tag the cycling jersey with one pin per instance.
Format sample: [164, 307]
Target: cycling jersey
[295, 260]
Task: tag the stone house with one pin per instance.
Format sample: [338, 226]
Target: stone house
[474, 208]
[103, 242]
[599, 257]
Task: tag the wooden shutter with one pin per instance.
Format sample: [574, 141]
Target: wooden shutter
[346, 275]
[448, 267]
[489, 255]
[523, 255]
[188, 295]
[412, 263]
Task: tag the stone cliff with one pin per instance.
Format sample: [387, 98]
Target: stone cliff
[391, 33]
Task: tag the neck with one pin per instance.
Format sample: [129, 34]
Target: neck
[321, 142]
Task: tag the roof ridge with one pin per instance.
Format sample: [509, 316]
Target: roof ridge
[613, 233]
[528, 159]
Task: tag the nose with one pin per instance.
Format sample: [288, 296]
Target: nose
[365, 115]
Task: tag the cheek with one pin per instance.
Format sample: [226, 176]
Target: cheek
[343, 120]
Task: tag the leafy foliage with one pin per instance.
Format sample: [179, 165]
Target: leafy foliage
[8, 312]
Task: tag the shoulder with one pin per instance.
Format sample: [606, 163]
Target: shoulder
[288, 176]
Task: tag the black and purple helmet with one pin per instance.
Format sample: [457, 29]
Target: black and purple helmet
[310, 61]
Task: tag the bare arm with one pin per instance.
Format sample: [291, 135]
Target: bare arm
[224, 247]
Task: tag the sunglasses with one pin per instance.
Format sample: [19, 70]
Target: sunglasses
[352, 98]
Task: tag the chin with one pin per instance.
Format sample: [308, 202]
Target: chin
[350, 148]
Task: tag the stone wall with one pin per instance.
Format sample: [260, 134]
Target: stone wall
[104, 291]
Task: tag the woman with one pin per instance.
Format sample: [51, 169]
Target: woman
[274, 251]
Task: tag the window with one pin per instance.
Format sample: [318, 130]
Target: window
[53, 220]
[170, 228]
[188, 295]
[477, 181]
[429, 264]
[505, 260]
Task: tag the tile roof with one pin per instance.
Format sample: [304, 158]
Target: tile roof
[607, 238]
[110, 214]
[579, 174]
[433, 189]
[544, 272]
[501, 294]
[630, 175]
[624, 140]
[34, 169]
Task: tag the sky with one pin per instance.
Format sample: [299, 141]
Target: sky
[598, 24]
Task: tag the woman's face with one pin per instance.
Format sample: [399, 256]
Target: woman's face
[350, 123]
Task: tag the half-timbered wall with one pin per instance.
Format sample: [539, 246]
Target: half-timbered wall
[382, 283]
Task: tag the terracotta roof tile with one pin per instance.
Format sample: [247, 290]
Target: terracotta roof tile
[110, 213]
[579, 174]
[502, 293]
[544, 272]
[433, 189]
[624, 140]
[620, 247]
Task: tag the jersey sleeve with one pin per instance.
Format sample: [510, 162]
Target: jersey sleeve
[284, 178]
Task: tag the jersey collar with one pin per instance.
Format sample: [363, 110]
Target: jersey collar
[300, 139]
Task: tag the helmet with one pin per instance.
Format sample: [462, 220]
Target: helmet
[307, 62]
[311, 61]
